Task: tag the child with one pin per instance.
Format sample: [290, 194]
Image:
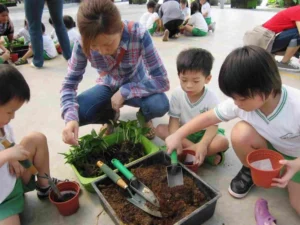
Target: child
[16, 181]
[205, 10]
[72, 32]
[49, 50]
[6, 25]
[268, 111]
[150, 7]
[185, 9]
[154, 24]
[196, 25]
[24, 33]
[53, 33]
[194, 66]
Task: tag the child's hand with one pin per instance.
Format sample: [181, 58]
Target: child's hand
[173, 142]
[17, 152]
[15, 168]
[292, 167]
[201, 152]
[6, 55]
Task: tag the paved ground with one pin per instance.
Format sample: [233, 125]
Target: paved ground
[42, 113]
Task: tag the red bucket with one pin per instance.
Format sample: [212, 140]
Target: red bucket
[188, 163]
[14, 57]
[263, 178]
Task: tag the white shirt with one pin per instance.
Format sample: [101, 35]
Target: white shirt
[281, 128]
[186, 12]
[198, 21]
[144, 18]
[53, 35]
[184, 110]
[73, 36]
[7, 180]
[49, 46]
[206, 8]
[24, 33]
[153, 17]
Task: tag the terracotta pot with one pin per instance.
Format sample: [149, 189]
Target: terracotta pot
[70, 206]
[14, 57]
[190, 165]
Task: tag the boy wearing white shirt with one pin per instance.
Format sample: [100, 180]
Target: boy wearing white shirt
[191, 99]
[150, 7]
[269, 113]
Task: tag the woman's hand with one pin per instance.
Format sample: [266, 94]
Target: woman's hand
[292, 167]
[117, 101]
[70, 133]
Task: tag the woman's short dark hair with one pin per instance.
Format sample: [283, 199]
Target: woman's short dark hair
[12, 85]
[248, 71]
[3, 8]
[194, 7]
[195, 59]
[97, 17]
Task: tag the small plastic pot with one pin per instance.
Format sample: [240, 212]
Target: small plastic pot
[14, 57]
[190, 165]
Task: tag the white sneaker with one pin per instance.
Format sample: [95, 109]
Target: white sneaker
[32, 65]
[289, 66]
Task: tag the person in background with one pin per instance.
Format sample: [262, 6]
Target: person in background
[206, 12]
[154, 23]
[185, 9]
[23, 32]
[150, 9]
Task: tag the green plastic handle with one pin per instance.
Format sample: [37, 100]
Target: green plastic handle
[122, 169]
[110, 173]
[25, 163]
[174, 160]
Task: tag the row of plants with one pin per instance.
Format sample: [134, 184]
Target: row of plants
[283, 3]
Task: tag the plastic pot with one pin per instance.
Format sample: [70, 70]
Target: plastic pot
[14, 57]
[71, 206]
[189, 164]
[263, 178]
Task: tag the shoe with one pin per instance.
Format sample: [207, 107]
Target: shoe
[166, 35]
[290, 67]
[32, 65]
[213, 27]
[241, 184]
[43, 192]
[262, 214]
[21, 62]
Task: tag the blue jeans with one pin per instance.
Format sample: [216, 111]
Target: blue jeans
[95, 105]
[34, 12]
[283, 40]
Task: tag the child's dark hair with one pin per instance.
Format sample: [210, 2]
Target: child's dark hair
[25, 23]
[195, 59]
[3, 8]
[12, 85]
[248, 71]
[194, 7]
[185, 2]
[50, 21]
[151, 4]
[96, 17]
[69, 22]
[157, 7]
[43, 28]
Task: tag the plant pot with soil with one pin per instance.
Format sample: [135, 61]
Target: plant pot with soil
[127, 144]
[191, 203]
[67, 198]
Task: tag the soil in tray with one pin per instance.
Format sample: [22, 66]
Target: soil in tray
[175, 203]
[126, 152]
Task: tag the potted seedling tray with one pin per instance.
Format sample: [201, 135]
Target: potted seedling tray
[188, 204]
[147, 148]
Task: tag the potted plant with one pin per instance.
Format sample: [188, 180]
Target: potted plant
[127, 144]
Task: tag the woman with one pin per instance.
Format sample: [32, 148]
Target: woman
[129, 67]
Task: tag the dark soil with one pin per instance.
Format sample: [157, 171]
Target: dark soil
[175, 203]
[65, 197]
[126, 152]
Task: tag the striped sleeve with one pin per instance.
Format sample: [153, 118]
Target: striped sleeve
[76, 69]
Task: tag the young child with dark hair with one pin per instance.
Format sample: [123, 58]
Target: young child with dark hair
[196, 25]
[184, 5]
[206, 12]
[6, 25]
[71, 28]
[49, 49]
[154, 23]
[23, 32]
[53, 33]
[191, 99]
[269, 113]
[15, 180]
[150, 9]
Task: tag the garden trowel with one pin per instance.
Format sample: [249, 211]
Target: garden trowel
[135, 184]
[174, 172]
[134, 198]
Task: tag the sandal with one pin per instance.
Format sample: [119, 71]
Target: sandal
[43, 192]
[21, 62]
[108, 127]
[262, 214]
[151, 133]
[211, 159]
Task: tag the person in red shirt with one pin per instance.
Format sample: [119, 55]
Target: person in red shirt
[286, 25]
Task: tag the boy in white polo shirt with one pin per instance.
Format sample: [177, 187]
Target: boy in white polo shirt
[191, 99]
[269, 113]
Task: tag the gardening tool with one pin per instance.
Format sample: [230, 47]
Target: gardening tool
[135, 184]
[174, 172]
[134, 198]
[53, 186]
[25, 163]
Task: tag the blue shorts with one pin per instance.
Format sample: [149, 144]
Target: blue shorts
[283, 40]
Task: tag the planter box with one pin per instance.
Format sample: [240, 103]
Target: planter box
[112, 139]
[199, 216]
[244, 4]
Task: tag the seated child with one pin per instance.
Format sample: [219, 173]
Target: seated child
[185, 9]
[150, 7]
[154, 23]
[6, 25]
[17, 181]
[205, 10]
[53, 33]
[196, 25]
[49, 49]
[191, 99]
[72, 32]
[24, 33]
[268, 111]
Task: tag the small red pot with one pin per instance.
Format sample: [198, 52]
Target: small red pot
[14, 57]
[182, 157]
[71, 206]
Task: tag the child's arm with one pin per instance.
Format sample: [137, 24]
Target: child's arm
[292, 167]
[200, 122]
[12, 154]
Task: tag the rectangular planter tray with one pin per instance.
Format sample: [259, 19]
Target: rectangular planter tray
[197, 217]
[112, 139]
